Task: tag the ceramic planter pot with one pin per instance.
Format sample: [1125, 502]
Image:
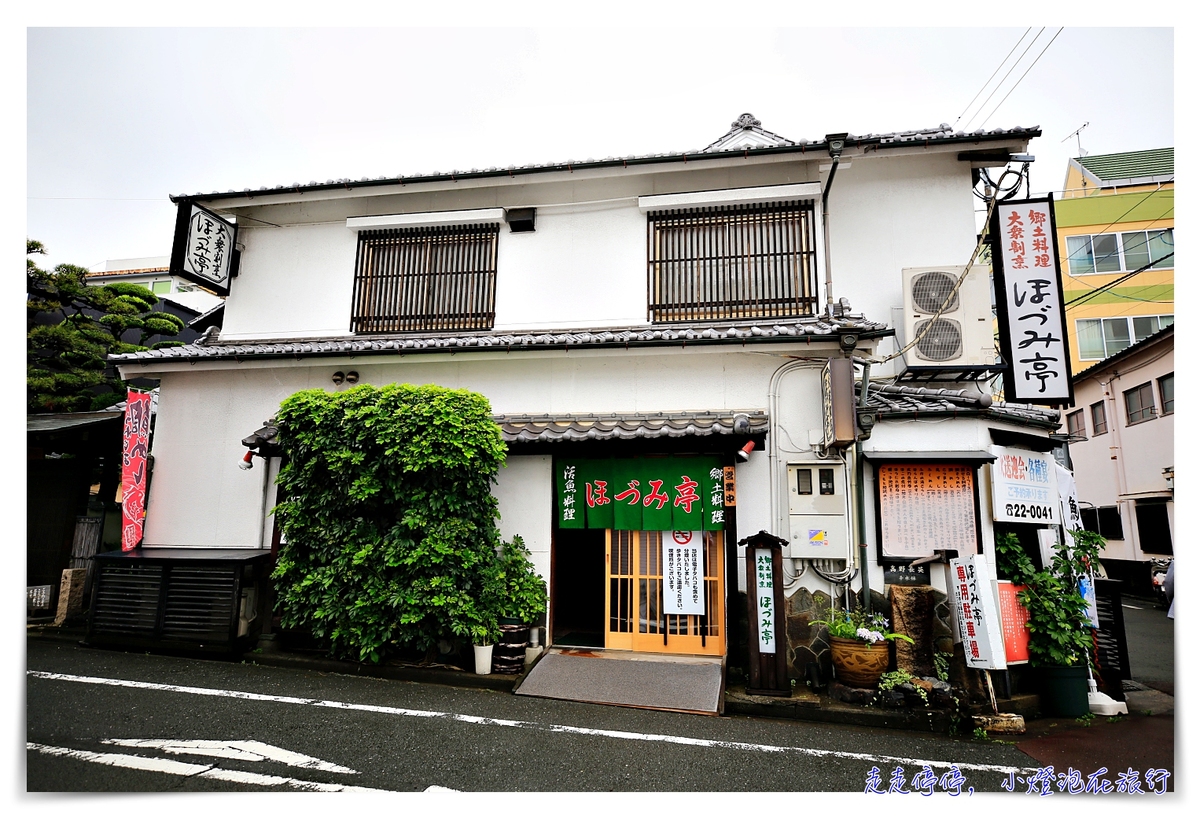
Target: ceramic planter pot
[1064, 691]
[857, 663]
[483, 659]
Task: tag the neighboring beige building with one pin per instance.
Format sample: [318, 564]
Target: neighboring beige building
[1122, 448]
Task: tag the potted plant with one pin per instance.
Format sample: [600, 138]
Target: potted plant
[1060, 635]
[521, 601]
[858, 645]
[484, 634]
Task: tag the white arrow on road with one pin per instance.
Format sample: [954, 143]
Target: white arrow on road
[240, 750]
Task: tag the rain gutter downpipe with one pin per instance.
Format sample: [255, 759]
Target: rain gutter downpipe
[836, 143]
[861, 517]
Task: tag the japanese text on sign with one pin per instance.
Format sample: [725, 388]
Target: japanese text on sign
[1033, 336]
[133, 468]
[925, 507]
[641, 494]
[975, 611]
[683, 572]
[764, 582]
[1024, 487]
[209, 247]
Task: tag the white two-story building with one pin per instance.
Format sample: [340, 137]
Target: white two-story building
[641, 313]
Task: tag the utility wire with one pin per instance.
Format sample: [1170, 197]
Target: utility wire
[1012, 68]
[1099, 290]
[993, 76]
[1018, 82]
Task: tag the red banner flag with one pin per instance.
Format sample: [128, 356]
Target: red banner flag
[133, 468]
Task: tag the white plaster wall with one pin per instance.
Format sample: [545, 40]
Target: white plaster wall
[887, 213]
[199, 497]
[525, 492]
[584, 266]
[295, 282]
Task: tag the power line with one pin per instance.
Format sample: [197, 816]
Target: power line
[993, 76]
[1006, 73]
[1116, 281]
[1018, 82]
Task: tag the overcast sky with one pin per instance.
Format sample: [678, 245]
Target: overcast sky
[119, 118]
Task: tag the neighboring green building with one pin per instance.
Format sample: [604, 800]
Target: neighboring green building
[1116, 215]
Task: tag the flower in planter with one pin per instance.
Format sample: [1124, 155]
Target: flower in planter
[860, 626]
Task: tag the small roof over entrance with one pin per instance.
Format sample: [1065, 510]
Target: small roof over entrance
[629, 426]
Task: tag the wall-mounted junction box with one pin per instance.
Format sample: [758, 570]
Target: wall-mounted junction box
[818, 511]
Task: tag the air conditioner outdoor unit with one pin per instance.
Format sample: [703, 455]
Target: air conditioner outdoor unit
[962, 335]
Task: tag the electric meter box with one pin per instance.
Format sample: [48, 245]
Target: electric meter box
[818, 511]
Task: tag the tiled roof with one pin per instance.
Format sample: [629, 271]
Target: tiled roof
[894, 401]
[1131, 165]
[670, 335]
[942, 134]
[574, 428]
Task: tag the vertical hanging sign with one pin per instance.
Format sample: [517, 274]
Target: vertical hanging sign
[204, 247]
[975, 610]
[683, 572]
[1029, 303]
[133, 468]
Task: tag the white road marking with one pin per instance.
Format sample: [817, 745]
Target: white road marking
[1134, 607]
[241, 750]
[529, 725]
[170, 767]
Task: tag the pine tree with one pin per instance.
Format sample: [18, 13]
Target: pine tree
[72, 328]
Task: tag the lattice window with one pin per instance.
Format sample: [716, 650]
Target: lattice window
[722, 263]
[425, 279]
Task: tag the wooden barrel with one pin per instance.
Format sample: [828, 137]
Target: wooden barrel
[509, 654]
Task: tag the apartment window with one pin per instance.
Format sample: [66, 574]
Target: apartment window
[1166, 393]
[721, 263]
[1154, 526]
[1099, 419]
[425, 279]
[1116, 252]
[1139, 404]
[1099, 338]
[1075, 426]
[1105, 521]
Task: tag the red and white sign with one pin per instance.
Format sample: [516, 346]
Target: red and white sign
[975, 611]
[683, 572]
[1013, 617]
[133, 468]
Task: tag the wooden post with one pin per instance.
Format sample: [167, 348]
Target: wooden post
[768, 669]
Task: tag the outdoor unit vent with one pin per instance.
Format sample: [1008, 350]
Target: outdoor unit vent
[962, 335]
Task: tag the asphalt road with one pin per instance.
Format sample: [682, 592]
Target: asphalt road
[1151, 639]
[86, 707]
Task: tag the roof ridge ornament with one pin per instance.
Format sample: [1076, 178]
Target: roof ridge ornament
[746, 122]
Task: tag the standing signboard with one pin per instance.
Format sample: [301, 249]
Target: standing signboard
[683, 572]
[136, 447]
[204, 248]
[764, 606]
[975, 611]
[925, 507]
[1029, 303]
[1025, 487]
[1013, 616]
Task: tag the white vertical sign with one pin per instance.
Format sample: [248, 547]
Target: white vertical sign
[764, 582]
[975, 610]
[683, 572]
[1029, 303]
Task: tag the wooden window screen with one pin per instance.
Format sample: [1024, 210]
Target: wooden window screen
[425, 279]
[721, 263]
